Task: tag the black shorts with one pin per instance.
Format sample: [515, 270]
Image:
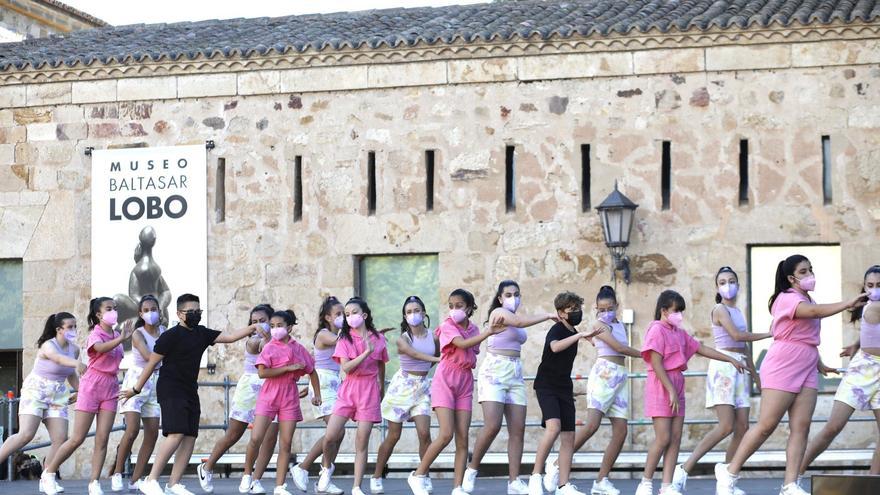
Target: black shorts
[556, 405]
[180, 415]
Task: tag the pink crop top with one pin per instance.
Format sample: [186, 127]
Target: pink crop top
[869, 333]
[511, 339]
[723, 340]
[423, 344]
[324, 359]
[51, 370]
[619, 333]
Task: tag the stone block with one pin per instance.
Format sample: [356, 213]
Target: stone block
[147, 88]
[824, 53]
[7, 154]
[43, 179]
[6, 119]
[42, 132]
[71, 132]
[864, 116]
[259, 82]
[574, 66]
[669, 61]
[13, 96]
[33, 198]
[56, 223]
[48, 93]
[12, 135]
[24, 116]
[748, 57]
[93, 91]
[17, 225]
[408, 74]
[481, 70]
[324, 79]
[206, 85]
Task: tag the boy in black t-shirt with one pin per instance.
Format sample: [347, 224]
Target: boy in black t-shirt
[555, 392]
[180, 350]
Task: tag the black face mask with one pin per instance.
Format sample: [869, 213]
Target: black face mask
[192, 319]
[575, 317]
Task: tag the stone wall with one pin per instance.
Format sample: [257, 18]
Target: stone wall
[468, 112]
[25, 19]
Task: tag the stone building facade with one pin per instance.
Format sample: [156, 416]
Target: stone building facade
[25, 19]
[701, 86]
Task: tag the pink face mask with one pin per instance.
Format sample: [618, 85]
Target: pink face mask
[457, 315]
[355, 320]
[675, 319]
[278, 333]
[808, 283]
[110, 317]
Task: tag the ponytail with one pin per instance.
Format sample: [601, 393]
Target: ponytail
[404, 325]
[140, 321]
[723, 269]
[783, 271]
[856, 314]
[94, 307]
[53, 322]
[606, 292]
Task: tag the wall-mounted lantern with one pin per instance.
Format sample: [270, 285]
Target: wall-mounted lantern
[617, 213]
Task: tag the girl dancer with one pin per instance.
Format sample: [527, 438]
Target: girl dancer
[330, 321]
[281, 363]
[242, 414]
[555, 392]
[502, 389]
[362, 355]
[409, 395]
[98, 393]
[44, 396]
[607, 392]
[860, 387]
[452, 388]
[667, 349]
[788, 375]
[144, 407]
[727, 391]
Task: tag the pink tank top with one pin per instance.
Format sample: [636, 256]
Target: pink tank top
[51, 370]
[423, 344]
[619, 333]
[511, 339]
[869, 333]
[723, 340]
[139, 360]
[324, 359]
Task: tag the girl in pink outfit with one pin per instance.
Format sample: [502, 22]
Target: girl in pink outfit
[98, 390]
[789, 378]
[667, 349]
[361, 353]
[281, 363]
[452, 389]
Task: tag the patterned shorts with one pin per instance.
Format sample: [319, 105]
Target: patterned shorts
[608, 389]
[330, 382]
[727, 386]
[244, 402]
[407, 396]
[501, 380]
[44, 398]
[860, 386]
[144, 403]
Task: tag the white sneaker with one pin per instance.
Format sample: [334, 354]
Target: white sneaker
[331, 490]
[150, 487]
[95, 488]
[116, 482]
[376, 486]
[568, 489]
[206, 478]
[300, 477]
[470, 478]
[536, 484]
[257, 488]
[551, 476]
[429, 486]
[800, 480]
[459, 491]
[177, 489]
[324, 478]
[245, 485]
[604, 487]
[133, 485]
[669, 490]
[725, 483]
[356, 490]
[679, 477]
[281, 490]
[646, 487]
[416, 484]
[792, 489]
[47, 483]
[517, 487]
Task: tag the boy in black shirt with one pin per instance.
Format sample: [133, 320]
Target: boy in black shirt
[180, 350]
[555, 392]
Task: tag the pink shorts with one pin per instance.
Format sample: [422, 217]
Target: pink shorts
[285, 409]
[657, 400]
[452, 388]
[97, 392]
[358, 399]
[790, 366]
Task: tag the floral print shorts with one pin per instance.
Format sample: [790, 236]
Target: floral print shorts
[330, 382]
[144, 403]
[727, 386]
[407, 396]
[44, 398]
[501, 380]
[244, 402]
[860, 386]
[608, 389]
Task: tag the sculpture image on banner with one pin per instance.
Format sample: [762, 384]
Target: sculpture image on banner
[155, 201]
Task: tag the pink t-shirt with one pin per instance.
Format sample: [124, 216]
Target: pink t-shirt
[453, 355]
[788, 328]
[673, 343]
[276, 354]
[104, 362]
[350, 349]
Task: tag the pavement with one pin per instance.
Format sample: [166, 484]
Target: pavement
[397, 486]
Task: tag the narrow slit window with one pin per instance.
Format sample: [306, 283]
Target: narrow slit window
[743, 171]
[666, 175]
[509, 179]
[371, 183]
[220, 191]
[429, 180]
[826, 169]
[585, 177]
[297, 189]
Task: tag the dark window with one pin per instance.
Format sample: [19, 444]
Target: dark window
[826, 169]
[509, 179]
[743, 171]
[371, 183]
[297, 188]
[666, 174]
[429, 180]
[220, 191]
[585, 177]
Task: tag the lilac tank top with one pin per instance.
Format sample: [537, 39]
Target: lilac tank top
[869, 333]
[619, 333]
[511, 339]
[423, 344]
[723, 340]
[250, 362]
[324, 359]
[50, 370]
[139, 360]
